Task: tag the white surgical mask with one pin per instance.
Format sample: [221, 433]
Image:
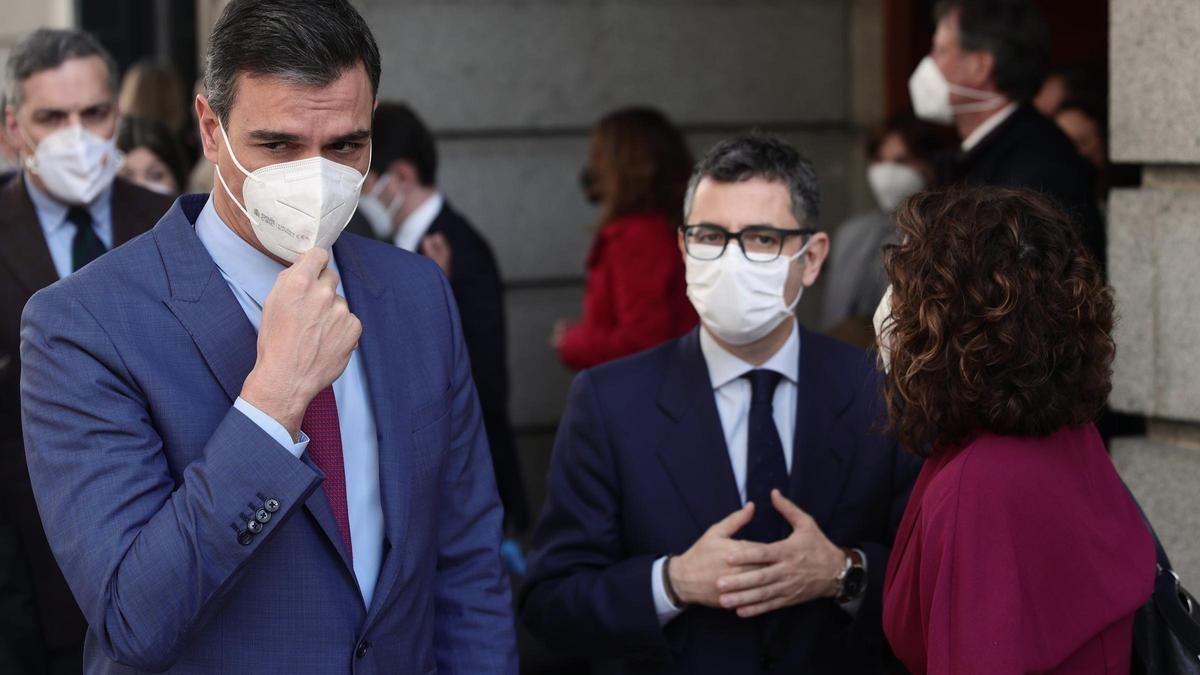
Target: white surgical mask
[930, 94]
[893, 182]
[883, 328]
[379, 217]
[741, 301]
[74, 164]
[295, 206]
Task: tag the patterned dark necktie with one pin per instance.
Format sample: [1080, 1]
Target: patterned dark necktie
[86, 246]
[766, 468]
[325, 448]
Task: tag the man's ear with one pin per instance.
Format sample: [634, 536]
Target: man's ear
[404, 173]
[981, 69]
[814, 258]
[209, 130]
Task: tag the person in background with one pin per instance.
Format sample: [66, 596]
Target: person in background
[637, 171]
[153, 159]
[901, 154]
[403, 205]
[1020, 551]
[65, 209]
[254, 440]
[726, 502]
[153, 90]
[1069, 83]
[987, 62]
[10, 159]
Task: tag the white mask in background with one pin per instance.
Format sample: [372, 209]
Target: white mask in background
[74, 164]
[883, 328]
[295, 206]
[930, 94]
[160, 188]
[380, 217]
[741, 301]
[893, 182]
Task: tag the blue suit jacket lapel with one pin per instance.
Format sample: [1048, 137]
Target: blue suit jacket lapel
[693, 450]
[383, 333]
[820, 459]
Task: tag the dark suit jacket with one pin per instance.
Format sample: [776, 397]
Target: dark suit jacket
[26, 267]
[1028, 150]
[475, 280]
[640, 470]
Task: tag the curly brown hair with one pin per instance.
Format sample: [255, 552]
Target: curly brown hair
[1001, 321]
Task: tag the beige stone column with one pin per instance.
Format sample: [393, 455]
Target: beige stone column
[1154, 262]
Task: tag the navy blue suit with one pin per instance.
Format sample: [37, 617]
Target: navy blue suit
[145, 474]
[640, 470]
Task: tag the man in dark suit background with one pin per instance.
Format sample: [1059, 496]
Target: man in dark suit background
[57, 215]
[726, 502]
[403, 205]
[987, 62]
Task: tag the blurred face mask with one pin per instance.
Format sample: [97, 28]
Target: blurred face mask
[882, 321]
[930, 93]
[381, 217]
[74, 164]
[294, 206]
[741, 301]
[893, 182]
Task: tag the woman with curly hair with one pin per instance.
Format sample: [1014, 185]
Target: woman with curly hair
[1021, 550]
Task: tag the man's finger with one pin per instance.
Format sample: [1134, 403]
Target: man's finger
[771, 605]
[751, 553]
[311, 262]
[755, 577]
[753, 596]
[329, 277]
[790, 512]
[730, 524]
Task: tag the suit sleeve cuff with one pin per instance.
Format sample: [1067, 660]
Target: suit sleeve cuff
[852, 606]
[273, 428]
[663, 606]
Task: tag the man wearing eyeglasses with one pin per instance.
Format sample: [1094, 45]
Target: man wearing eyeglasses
[726, 502]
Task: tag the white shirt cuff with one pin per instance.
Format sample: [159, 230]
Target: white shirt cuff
[851, 607]
[273, 428]
[663, 606]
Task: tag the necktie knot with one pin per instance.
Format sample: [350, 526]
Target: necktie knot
[86, 245]
[79, 217]
[762, 385]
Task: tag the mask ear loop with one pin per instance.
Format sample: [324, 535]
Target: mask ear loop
[800, 253]
[240, 168]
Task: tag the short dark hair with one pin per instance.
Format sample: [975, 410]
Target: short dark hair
[143, 132]
[45, 49]
[1013, 31]
[309, 43]
[761, 155]
[923, 140]
[398, 133]
[1001, 321]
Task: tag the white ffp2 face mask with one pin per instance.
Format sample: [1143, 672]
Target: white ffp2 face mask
[74, 164]
[930, 94]
[883, 328]
[741, 301]
[295, 206]
[379, 216]
[893, 182]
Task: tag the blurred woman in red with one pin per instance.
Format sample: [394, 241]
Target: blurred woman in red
[637, 171]
[1021, 550]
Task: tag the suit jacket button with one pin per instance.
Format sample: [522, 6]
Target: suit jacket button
[253, 526]
[271, 505]
[245, 538]
[262, 516]
[362, 649]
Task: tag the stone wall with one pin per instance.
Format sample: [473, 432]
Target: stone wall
[512, 87]
[1154, 255]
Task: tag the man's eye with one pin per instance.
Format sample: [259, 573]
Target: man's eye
[277, 145]
[346, 147]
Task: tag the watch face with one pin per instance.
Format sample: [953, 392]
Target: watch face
[856, 578]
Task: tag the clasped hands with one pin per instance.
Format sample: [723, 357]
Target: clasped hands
[754, 578]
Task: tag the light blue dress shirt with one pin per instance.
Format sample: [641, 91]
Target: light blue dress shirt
[59, 232]
[251, 275]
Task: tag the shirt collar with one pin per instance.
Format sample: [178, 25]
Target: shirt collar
[414, 227]
[245, 266]
[53, 213]
[988, 125]
[724, 367]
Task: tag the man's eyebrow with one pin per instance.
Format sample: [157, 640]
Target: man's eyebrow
[356, 135]
[268, 136]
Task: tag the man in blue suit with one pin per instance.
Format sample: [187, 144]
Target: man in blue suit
[726, 502]
[252, 455]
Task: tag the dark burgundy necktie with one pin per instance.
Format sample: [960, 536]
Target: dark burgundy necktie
[325, 447]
